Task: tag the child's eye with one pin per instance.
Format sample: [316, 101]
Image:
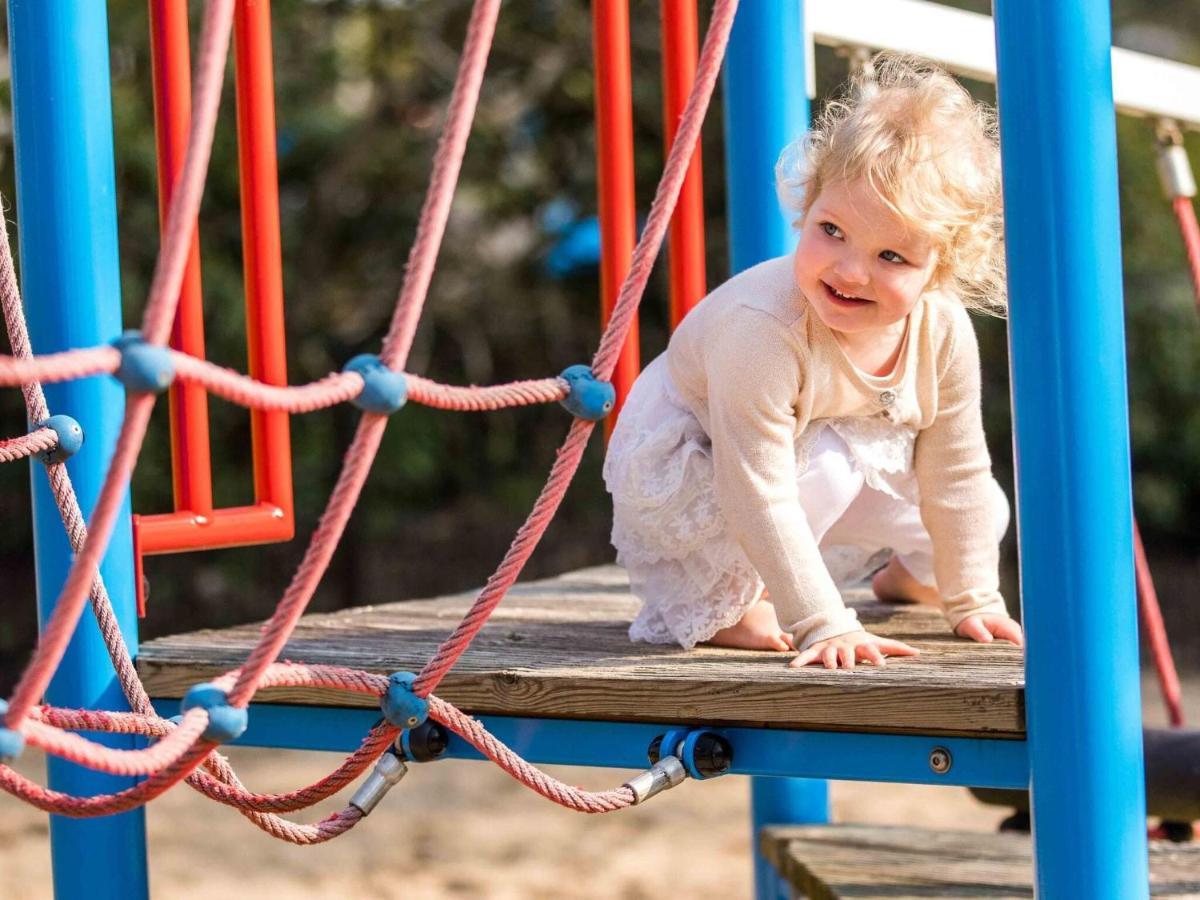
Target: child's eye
[830, 229]
[892, 256]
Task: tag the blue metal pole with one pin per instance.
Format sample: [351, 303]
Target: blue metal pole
[766, 108]
[1072, 447]
[66, 211]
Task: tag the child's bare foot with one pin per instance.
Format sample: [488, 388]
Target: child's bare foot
[758, 629]
[895, 584]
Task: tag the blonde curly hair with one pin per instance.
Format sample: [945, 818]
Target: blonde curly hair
[930, 152]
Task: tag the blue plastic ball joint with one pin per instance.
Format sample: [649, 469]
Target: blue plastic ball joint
[70, 439]
[145, 368]
[590, 398]
[384, 391]
[401, 707]
[11, 742]
[225, 722]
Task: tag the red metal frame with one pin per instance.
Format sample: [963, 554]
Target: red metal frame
[614, 169]
[680, 38]
[195, 525]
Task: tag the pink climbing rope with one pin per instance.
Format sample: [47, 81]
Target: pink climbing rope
[52, 368]
[161, 755]
[172, 752]
[447, 163]
[37, 441]
[430, 229]
[605, 359]
[339, 387]
[1185, 214]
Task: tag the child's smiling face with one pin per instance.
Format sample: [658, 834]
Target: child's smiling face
[857, 263]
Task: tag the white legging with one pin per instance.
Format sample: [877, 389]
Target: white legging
[842, 509]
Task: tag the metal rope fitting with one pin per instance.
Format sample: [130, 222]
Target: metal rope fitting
[425, 743]
[12, 742]
[70, 439]
[664, 774]
[384, 391]
[225, 722]
[145, 368]
[401, 707]
[1174, 167]
[590, 398]
[388, 771]
[704, 754]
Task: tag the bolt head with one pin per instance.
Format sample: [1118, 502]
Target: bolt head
[940, 760]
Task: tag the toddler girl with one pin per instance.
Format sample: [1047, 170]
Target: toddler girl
[818, 415]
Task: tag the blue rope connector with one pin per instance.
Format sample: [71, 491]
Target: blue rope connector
[384, 391]
[225, 722]
[11, 742]
[589, 398]
[401, 707]
[70, 439]
[145, 368]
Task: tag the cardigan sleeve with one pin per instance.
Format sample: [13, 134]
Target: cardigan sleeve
[755, 372]
[954, 476]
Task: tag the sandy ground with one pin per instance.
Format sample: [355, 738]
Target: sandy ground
[462, 829]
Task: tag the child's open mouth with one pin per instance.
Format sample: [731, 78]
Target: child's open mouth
[841, 299]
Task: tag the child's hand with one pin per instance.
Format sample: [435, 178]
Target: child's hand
[985, 628]
[845, 650]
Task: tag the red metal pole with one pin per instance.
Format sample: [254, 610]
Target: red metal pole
[614, 165]
[263, 256]
[680, 37]
[270, 518]
[170, 61]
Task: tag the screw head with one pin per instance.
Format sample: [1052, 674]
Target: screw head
[940, 760]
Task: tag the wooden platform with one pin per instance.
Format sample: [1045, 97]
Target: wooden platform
[832, 862]
[558, 648]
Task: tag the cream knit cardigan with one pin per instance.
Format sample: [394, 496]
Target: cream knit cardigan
[756, 365]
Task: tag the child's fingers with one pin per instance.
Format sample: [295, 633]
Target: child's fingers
[846, 656]
[975, 629]
[896, 648]
[870, 653]
[1009, 630]
[804, 658]
[829, 656]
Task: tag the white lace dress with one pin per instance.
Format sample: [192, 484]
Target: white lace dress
[691, 574]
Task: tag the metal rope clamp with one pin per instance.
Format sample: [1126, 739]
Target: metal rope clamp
[677, 755]
[1174, 168]
[422, 744]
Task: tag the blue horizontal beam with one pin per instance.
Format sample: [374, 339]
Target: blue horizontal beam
[844, 756]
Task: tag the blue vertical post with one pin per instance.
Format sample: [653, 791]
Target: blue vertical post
[1072, 447]
[766, 108]
[66, 211]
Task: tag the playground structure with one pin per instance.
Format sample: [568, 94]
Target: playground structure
[1081, 708]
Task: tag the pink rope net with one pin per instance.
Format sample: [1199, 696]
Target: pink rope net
[180, 753]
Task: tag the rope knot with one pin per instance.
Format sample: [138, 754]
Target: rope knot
[70, 439]
[12, 742]
[589, 398]
[225, 722]
[145, 368]
[401, 707]
[384, 391]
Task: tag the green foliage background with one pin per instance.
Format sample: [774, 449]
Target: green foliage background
[361, 89]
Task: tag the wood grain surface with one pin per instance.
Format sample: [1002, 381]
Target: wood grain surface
[833, 862]
[559, 648]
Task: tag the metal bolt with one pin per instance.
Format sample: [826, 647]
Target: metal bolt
[940, 760]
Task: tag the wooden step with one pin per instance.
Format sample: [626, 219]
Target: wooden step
[839, 862]
[559, 648]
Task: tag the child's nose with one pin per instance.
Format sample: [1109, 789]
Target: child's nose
[851, 270]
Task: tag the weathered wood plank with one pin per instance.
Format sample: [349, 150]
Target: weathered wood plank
[559, 648]
[835, 862]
